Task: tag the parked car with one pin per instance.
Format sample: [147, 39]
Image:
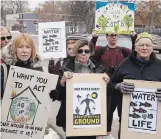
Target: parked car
[122, 41]
[157, 42]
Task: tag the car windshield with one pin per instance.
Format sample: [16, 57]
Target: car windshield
[121, 41]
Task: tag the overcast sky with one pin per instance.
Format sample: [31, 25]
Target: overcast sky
[34, 3]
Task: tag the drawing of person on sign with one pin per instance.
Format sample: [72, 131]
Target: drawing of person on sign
[87, 101]
[86, 105]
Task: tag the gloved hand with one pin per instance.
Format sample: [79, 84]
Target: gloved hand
[125, 88]
[54, 94]
[94, 34]
[158, 94]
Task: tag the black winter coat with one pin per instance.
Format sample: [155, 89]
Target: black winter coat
[68, 66]
[136, 69]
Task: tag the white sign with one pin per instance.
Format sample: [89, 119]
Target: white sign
[25, 102]
[143, 111]
[52, 41]
[114, 17]
[86, 105]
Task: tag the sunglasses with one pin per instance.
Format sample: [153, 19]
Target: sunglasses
[86, 51]
[4, 38]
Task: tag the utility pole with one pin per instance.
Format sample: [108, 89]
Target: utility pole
[20, 6]
[151, 14]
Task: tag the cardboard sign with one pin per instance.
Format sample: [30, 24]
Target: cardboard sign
[114, 17]
[86, 105]
[141, 112]
[52, 41]
[25, 102]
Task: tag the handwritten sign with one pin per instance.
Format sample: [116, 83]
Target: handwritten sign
[25, 102]
[52, 40]
[114, 17]
[86, 105]
[143, 111]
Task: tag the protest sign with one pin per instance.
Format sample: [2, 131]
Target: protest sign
[141, 112]
[52, 41]
[25, 102]
[86, 105]
[114, 17]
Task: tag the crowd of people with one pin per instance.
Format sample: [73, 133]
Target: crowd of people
[116, 63]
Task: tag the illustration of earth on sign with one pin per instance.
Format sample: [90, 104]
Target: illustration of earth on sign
[23, 109]
[114, 17]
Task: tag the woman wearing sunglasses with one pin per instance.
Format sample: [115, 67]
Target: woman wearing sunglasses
[81, 63]
[5, 36]
[5, 42]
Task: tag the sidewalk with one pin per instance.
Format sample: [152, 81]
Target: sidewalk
[53, 134]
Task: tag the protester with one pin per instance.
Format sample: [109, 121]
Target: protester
[80, 63]
[23, 55]
[110, 57]
[142, 64]
[6, 39]
[5, 36]
[54, 68]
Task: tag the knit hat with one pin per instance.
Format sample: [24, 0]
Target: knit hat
[144, 35]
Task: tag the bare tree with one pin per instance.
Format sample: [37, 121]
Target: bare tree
[74, 11]
[49, 11]
[3, 19]
[149, 12]
[12, 6]
[83, 11]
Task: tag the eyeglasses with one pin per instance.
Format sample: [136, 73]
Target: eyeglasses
[86, 51]
[146, 45]
[113, 35]
[4, 38]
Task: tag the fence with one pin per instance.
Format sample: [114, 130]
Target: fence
[156, 31]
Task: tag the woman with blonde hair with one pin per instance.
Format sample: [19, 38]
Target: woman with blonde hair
[23, 55]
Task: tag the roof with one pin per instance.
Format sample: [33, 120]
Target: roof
[17, 25]
[24, 91]
[76, 37]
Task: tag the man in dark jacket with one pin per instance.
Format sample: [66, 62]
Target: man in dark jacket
[142, 64]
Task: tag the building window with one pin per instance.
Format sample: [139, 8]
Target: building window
[71, 28]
